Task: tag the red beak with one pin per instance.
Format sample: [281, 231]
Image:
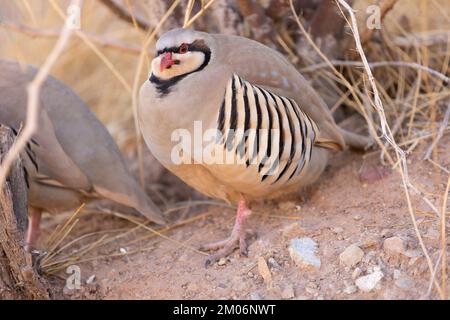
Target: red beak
[166, 61]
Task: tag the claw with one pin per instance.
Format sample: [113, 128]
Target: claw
[238, 238]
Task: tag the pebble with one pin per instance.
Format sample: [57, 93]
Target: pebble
[264, 271]
[357, 217]
[288, 292]
[303, 253]
[369, 241]
[351, 255]
[273, 263]
[91, 279]
[356, 273]
[394, 246]
[413, 253]
[369, 282]
[222, 262]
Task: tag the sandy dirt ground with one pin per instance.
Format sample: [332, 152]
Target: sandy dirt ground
[343, 209]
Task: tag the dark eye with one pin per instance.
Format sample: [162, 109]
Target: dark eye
[183, 48]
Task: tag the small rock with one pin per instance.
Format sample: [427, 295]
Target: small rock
[356, 273]
[350, 289]
[222, 262]
[303, 252]
[369, 282]
[91, 279]
[369, 241]
[222, 285]
[273, 263]
[413, 253]
[288, 292]
[250, 274]
[351, 255]
[394, 246]
[264, 271]
[357, 217]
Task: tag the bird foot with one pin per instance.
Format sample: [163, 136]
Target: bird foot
[227, 246]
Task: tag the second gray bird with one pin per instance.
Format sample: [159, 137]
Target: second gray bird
[72, 158]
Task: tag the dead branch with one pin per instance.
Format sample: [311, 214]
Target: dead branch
[440, 133]
[125, 15]
[18, 277]
[46, 33]
[426, 39]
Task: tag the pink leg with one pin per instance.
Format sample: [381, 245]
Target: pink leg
[33, 231]
[238, 237]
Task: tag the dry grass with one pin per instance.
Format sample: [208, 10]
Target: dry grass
[400, 89]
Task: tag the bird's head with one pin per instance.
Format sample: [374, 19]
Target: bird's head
[179, 53]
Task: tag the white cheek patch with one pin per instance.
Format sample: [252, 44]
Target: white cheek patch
[189, 62]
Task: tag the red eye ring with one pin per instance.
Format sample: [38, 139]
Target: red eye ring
[184, 48]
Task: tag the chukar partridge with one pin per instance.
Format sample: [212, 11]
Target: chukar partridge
[245, 102]
[72, 158]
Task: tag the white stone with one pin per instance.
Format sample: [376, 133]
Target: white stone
[356, 273]
[351, 255]
[303, 252]
[369, 282]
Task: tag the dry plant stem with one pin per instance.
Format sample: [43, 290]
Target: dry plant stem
[157, 232]
[123, 14]
[189, 8]
[378, 64]
[46, 33]
[423, 39]
[30, 11]
[89, 43]
[136, 83]
[362, 109]
[439, 134]
[33, 90]
[444, 240]
[199, 14]
[387, 135]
